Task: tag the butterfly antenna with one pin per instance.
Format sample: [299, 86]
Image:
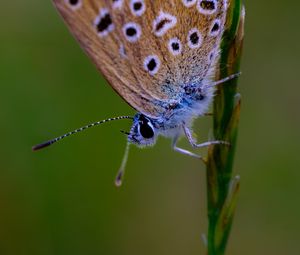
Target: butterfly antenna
[228, 78]
[120, 174]
[50, 142]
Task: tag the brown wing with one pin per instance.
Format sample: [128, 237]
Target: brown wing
[106, 51]
[130, 41]
[177, 19]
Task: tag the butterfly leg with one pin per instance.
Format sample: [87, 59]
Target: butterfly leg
[183, 151]
[192, 141]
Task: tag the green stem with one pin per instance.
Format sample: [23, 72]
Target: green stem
[222, 189]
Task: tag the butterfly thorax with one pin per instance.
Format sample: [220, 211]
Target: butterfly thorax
[194, 102]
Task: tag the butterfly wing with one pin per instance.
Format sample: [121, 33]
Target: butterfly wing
[186, 35]
[148, 50]
[106, 50]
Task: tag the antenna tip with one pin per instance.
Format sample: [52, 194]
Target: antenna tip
[118, 180]
[41, 146]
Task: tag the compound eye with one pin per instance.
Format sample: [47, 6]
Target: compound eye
[146, 131]
[145, 127]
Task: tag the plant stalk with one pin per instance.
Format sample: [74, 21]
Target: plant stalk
[222, 188]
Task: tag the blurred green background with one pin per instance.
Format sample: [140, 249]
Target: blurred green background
[62, 200]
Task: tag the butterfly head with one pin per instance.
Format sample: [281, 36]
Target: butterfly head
[143, 131]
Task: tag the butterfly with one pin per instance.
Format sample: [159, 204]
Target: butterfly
[159, 56]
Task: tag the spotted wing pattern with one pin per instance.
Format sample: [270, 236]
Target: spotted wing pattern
[148, 50]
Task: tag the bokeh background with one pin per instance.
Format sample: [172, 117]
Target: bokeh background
[62, 200]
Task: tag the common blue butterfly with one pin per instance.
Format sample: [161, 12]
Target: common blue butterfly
[159, 56]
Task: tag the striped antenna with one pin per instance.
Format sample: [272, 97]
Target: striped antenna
[50, 142]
